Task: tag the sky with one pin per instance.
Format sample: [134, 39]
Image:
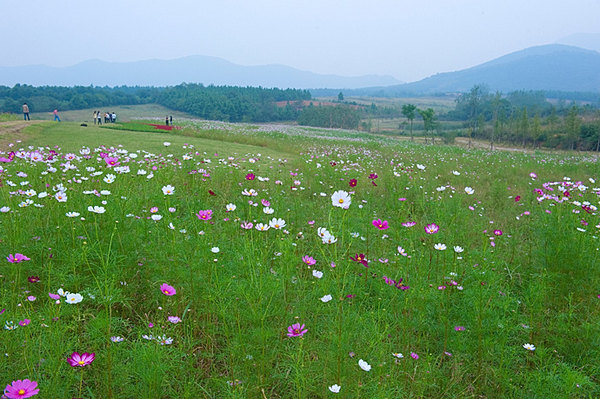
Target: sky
[409, 40]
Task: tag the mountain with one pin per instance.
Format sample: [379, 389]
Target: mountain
[590, 41]
[193, 69]
[549, 67]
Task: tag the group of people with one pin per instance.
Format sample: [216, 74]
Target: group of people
[109, 117]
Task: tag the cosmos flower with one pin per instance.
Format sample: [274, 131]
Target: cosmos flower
[167, 289]
[326, 298]
[353, 182]
[168, 190]
[364, 365]
[77, 360]
[458, 249]
[432, 228]
[309, 260]
[341, 199]
[360, 258]
[335, 388]
[317, 274]
[17, 258]
[117, 339]
[21, 389]
[73, 298]
[296, 330]
[529, 347]
[440, 247]
[277, 223]
[380, 224]
[230, 207]
[469, 190]
[204, 214]
[262, 227]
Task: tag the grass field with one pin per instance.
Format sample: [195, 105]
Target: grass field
[268, 261]
[124, 113]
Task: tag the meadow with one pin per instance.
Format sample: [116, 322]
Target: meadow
[269, 261]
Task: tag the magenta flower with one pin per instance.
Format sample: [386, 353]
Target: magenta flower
[264, 202]
[360, 258]
[353, 182]
[168, 290]
[459, 328]
[21, 389]
[247, 225]
[380, 224]
[414, 355]
[77, 360]
[309, 260]
[112, 161]
[296, 330]
[54, 296]
[498, 232]
[432, 228]
[17, 258]
[250, 176]
[24, 322]
[204, 215]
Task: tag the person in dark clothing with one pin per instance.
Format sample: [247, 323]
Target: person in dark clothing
[171, 119]
[167, 120]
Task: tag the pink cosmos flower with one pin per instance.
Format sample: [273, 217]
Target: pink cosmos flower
[296, 330]
[17, 258]
[432, 228]
[498, 232]
[309, 260]
[24, 322]
[380, 224]
[264, 202]
[459, 328]
[414, 355]
[247, 225]
[204, 215]
[167, 290]
[77, 360]
[409, 224]
[174, 319]
[21, 389]
[250, 176]
[112, 161]
[54, 296]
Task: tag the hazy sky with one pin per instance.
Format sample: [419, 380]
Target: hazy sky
[406, 39]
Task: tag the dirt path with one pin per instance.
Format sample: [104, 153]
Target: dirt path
[11, 131]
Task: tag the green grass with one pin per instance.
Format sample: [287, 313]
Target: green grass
[124, 113]
[538, 284]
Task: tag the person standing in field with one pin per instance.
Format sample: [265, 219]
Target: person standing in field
[94, 117]
[171, 119]
[26, 112]
[167, 120]
[56, 117]
[99, 116]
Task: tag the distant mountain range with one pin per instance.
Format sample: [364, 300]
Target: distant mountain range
[193, 69]
[555, 67]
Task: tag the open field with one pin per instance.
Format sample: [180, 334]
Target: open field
[270, 261]
[124, 113]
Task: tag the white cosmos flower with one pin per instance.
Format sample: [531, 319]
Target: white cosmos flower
[469, 190]
[329, 239]
[60, 196]
[458, 249]
[96, 209]
[141, 172]
[43, 194]
[529, 347]
[262, 227]
[74, 298]
[156, 217]
[323, 232]
[166, 144]
[456, 173]
[341, 199]
[5, 209]
[230, 207]
[72, 214]
[168, 190]
[326, 298]
[317, 274]
[250, 193]
[420, 167]
[440, 247]
[215, 250]
[335, 388]
[364, 365]
[267, 210]
[277, 223]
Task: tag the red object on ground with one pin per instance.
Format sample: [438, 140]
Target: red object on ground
[163, 127]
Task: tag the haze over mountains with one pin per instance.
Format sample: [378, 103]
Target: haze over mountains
[549, 67]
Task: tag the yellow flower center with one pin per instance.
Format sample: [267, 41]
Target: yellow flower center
[81, 362]
[341, 200]
[166, 291]
[21, 392]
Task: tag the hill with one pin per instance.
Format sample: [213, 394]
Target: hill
[553, 67]
[193, 69]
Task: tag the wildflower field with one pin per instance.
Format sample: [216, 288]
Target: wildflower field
[245, 261]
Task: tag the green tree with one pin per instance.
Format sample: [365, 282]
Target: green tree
[341, 96]
[429, 121]
[524, 126]
[409, 112]
[572, 126]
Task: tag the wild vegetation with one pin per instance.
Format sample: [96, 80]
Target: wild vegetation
[261, 261]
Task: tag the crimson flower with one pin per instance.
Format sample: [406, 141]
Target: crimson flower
[250, 176]
[360, 258]
[517, 198]
[77, 360]
[33, 279]
[353, 182]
